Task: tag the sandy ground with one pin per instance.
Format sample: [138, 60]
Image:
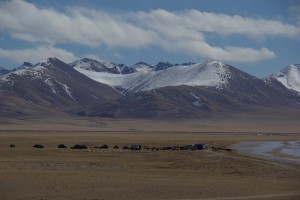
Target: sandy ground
[52, 173]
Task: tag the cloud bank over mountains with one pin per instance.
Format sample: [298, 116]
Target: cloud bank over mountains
[182, 31]
[34, 55]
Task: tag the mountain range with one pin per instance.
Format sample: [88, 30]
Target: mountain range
[51, 85]
[99, 88]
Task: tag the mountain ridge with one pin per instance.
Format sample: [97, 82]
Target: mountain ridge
[289, 77]
[173, 75]
[101, 66]
[93, 88]
[188, 90]
[52, 84]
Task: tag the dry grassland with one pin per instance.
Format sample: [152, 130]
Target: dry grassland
[52, 173]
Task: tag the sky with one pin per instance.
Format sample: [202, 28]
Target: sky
[259, 37]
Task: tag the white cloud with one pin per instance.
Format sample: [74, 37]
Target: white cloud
[26, 21]
[38, 54]
[236, 54]
[173, 31]
[197, 21]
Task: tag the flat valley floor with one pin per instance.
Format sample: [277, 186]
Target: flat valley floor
[52, 173]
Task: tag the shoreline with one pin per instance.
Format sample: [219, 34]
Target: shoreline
[278, 151]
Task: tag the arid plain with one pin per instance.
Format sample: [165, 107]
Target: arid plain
[52, 173]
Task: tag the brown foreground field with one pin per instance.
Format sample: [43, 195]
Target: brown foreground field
[52, 173]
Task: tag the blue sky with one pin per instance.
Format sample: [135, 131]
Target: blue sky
[257, 36]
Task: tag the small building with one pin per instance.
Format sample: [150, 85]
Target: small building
[136, 147]
[199, 146]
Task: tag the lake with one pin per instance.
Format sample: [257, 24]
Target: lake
[283, 151]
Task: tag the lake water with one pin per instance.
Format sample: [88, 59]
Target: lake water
[283, 151]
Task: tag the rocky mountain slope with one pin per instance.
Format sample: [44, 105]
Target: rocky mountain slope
[53, 85]
[211, 74]
[287, 82]
[104, 89]
[192, 90]
[289, 77]
[101, 66]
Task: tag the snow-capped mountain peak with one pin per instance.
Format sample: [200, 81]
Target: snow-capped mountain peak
[214, 65]
[33, 72]
[101, 66]
[49, 64]
[26, 65]
[208, 74]
[48, 61]
[162, 66]
[143, 67]
[92, 65]
[55, 79]
[289, 77]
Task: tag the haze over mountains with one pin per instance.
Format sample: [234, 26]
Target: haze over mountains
[105, 89]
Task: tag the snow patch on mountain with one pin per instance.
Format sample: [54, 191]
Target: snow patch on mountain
[101, 66]
[199, 102]
[289, 77]
[31, 73]
[5, 78]
[96, 98]
[38, 72]
[210, 74]
[92, 65]
[53, 84]
[50, 83]
[68, 91]
[143, 67]
[193, 95]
